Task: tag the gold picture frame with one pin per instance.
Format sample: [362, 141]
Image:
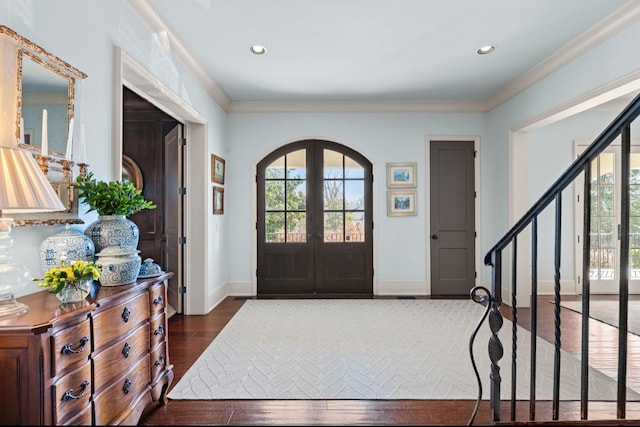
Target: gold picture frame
[131, 172]
[218, 200]
[217, 169]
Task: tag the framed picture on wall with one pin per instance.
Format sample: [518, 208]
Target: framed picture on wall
[217, 169]
[218, 200]
[401, 175]
[400, 203]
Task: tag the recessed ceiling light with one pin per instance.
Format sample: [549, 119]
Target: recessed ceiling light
[258, 49]
[486, 49]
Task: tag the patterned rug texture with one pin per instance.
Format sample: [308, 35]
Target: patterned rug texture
[370, 349]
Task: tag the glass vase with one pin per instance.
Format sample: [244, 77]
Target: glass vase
[75, 291]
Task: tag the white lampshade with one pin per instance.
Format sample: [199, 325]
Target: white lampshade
[23, 186]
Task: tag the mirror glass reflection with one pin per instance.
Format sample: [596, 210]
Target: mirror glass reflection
[44, 88]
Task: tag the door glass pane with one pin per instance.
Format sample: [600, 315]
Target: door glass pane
[333, 194]
[276, 169]
[274, 195]
[333, 226]
[352, 169]
[274, 227]
[354, 226]
[354, 194]
[333, 164]
[603, 224]
[296, 195]
[296, 227]
[297, 164]
[634, 216]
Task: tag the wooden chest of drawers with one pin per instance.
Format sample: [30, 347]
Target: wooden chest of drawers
[101, 361]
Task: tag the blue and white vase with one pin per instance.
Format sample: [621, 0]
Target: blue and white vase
[69, 244]
[113, 230]
[120, 265]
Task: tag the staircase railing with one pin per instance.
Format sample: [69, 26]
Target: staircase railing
[619, 127]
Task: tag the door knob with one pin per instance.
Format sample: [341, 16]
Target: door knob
[434, 236]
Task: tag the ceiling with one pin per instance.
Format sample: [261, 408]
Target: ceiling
[378, 52]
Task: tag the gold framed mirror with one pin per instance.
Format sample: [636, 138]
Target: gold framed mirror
[34, 80]
[42, 86]
[131, 172]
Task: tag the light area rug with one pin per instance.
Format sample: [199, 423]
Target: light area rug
[369, 349]
[608, 311]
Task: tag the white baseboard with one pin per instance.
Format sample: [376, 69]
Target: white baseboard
[401, 289]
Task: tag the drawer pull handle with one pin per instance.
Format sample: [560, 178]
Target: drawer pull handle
[125, 314]
[158, 300]
[68, 348]
[160, 360]
[126, 388]
[126, 349]
[68, 395]
[159, 330]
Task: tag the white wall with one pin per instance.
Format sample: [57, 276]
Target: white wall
[399, 242]
[85, 34]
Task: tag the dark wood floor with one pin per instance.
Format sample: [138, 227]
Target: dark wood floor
[189, 336]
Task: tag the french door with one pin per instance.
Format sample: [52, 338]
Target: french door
[314, 223]
[604, 230]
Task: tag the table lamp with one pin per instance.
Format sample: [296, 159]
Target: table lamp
[24, 188]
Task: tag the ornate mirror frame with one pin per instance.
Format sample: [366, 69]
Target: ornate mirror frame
[15, 51]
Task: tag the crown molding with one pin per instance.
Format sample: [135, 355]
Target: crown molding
[355, 107]
[154, 20]
[615, 22]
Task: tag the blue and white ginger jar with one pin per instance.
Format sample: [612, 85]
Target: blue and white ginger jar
[120, 265]
[113, 230]
[69, 244]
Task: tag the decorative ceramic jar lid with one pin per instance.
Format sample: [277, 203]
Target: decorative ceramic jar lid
[149, 269]
[117, 251]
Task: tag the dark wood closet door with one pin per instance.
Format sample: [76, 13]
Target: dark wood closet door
[314, 221]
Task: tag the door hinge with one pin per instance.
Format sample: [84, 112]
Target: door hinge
[183, 141]
[475, 274]
[474, 153]
[475, 234]
[182, 290]
[182, 191]
[182, 240]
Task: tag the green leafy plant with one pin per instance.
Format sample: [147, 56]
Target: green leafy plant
[58, 277]
[111, 198]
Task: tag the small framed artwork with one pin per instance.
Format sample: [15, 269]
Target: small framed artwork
[218, 200]
[217, 169]
[401, 175]
[401, 203]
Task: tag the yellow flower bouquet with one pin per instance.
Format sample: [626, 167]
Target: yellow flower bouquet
[70, 281]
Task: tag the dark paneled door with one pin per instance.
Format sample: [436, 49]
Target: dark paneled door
[452, 228]
[314, 221]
